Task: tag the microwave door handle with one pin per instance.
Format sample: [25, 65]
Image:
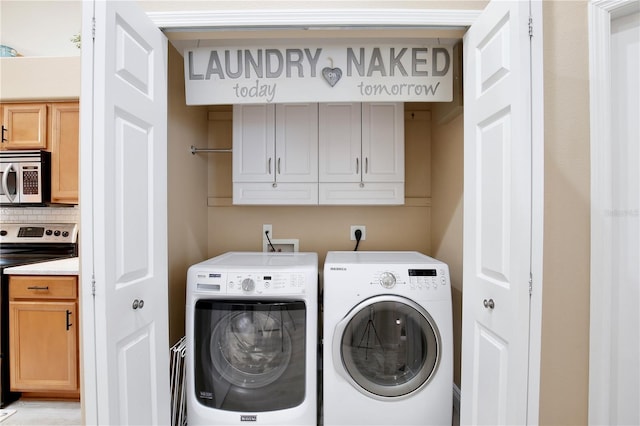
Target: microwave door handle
[5, 182]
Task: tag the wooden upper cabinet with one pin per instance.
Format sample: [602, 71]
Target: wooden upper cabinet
[24, 126]
[64, 144]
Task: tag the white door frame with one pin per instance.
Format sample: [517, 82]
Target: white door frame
[601, 13]
[402, 19]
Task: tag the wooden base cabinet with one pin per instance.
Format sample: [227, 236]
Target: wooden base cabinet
[43, 336]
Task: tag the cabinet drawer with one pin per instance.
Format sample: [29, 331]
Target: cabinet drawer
[42, 287]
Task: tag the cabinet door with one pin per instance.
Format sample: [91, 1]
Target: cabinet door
[254, 143]
[383, 142]
[64, 140]
[44, 348]
[24, 126]
[340, 142]
[296, 157]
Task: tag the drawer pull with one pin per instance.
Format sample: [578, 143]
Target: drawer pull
[37, 287]
[68, 317]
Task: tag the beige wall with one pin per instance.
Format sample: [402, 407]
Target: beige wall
[446, 217]
[565, 321]
[187, 192]
[41, 27]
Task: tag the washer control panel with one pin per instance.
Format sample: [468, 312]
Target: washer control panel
[251, 283]
[421, 278]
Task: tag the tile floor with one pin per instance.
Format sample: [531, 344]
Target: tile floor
[42, 413]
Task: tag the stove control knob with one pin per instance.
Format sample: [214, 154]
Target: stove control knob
[3, 233]
[248, 285]
[65, 233]
[48, 232]
[387, 280]
[56, 233]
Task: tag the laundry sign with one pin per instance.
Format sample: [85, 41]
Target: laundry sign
[407, 71]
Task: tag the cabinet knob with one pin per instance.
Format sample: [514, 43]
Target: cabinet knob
[137, 304]
[489, 304]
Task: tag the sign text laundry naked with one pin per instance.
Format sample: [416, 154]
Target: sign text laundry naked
[407, 71]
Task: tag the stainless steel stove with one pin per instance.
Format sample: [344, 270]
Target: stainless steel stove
[22, 244]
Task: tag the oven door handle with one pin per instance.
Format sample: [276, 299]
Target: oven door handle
[5, 182]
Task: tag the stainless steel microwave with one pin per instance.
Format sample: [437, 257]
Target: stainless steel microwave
[25, 177]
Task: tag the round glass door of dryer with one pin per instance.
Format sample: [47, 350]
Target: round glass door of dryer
[388, 346]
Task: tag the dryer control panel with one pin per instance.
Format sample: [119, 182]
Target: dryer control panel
[251, 283]
[420, 278]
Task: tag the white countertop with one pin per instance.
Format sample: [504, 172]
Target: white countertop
[69, 266]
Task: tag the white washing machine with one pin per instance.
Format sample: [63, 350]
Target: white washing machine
[387, 339]
[251, 335]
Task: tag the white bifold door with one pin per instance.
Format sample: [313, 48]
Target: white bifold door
[124, 216]
[497, 216]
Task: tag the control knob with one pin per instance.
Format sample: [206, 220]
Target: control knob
[387, 280]
[248, 285]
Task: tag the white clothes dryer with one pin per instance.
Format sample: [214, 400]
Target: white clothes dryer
[387, 339]
[251, 336]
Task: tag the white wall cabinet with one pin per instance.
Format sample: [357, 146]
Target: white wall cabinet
[333, 153]
[275, 154]
[361, 153]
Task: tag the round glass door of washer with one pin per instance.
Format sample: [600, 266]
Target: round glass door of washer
[388, 345]
[250, 349]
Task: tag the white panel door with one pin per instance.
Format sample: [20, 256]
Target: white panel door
[497, 216]
[254, 143]
[297, 142]
[383, 142]
[340, 140]
[124, 216]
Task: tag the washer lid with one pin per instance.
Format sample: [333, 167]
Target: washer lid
[261, 259]
[378, 257]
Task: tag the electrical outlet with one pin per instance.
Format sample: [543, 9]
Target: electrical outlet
[361, 228]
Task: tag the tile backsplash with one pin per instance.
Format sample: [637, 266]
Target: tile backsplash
[65, 214]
